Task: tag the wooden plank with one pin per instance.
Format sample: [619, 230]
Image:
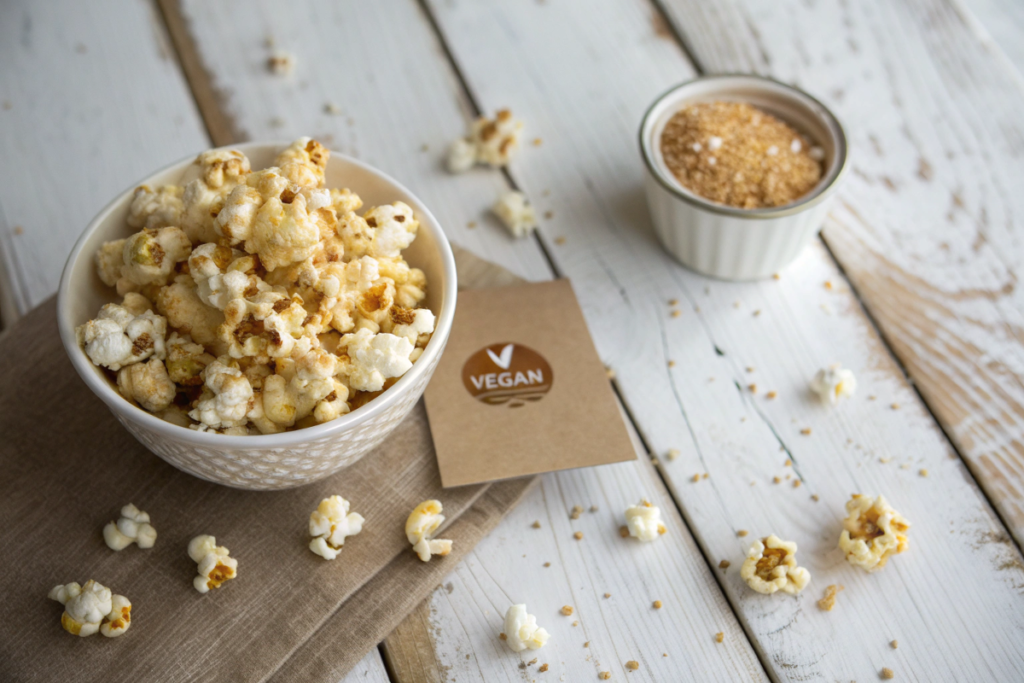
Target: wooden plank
[454, 635]
[998, 21]
[91, 100]
[370, 670]
[928, 223]
[383, 69]
[582, 82]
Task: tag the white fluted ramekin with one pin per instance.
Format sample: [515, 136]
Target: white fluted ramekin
[267, 461]
[723, 241]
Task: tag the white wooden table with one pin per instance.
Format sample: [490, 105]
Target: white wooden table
[922, 250]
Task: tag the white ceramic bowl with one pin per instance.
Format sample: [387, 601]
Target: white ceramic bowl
[724, 241]
[269, 461]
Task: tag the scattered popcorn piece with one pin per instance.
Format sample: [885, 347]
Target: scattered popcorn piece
[149, 257]
[644, 521]
[281, 63]
[373, 358]
[872, 532]
[536, 524]
[567, 610]
[522, 631]
[215, 563]
[632, 665]
[91, 608]
[829, 601]
[155, 209]
[118, 337]
[806, 431]
[742, 532]
[578, 535]
[833, 383]
[542, 668]
[605, 675]
[577, 510]
[516, 212]
[420, 528]
[894, 644]
[330, 524]
[724, 564]
[656, 604]
[887, 673]
[147, 384]
[719, 637]
[489, 142]
[771, 566]
[132, 527]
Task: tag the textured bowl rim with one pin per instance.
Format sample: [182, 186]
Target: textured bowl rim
[337, 427]
[820, 193]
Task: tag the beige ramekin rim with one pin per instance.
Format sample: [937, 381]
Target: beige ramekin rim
[821, 192]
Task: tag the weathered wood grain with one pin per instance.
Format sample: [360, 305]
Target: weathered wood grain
[999, 21]
[928, 224]
[91, 100]
[583, 83]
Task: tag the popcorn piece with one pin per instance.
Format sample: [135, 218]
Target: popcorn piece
[374, 358]
[215, 563]
[490, 142]
[269, 324]
[771, 566]
[644, 521]
[516, 212]
[223, 275]
[155, 209]
[330, 524]
[423, 522]
[150, 256]
[109, 261]
[147, 384]
[833, 383]
[208, 182]
[872, 532]
[185, 360]
[132, 527]
[422, 323]
[117, 337]
[90, 608]
[226, 396]
[187, 314]
[281, 63]
[394, 229]
[304, 162]
[283, 234]
[119, 619]
[521, 630]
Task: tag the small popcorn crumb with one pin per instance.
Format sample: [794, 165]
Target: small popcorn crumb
[578, 535]
[695, 478]
[750, 369]
[516, 213]
[559, 241]
[471, 225]
[895, 406]
[547, 564]
[742, 532]
[757, 312]
[776, 480]
[806, 431]
[833, 383]
[719, 637]
[776, 276]
[724, 564]
[829, 601]
[594, 508]
[672, 454]
[609, 373]
[503, 636]
[567, 610]
[424, 147]
[788, 463]
[676, 313]
[887, 674]
[624, 531]
[577, 510]
[18, 230]
[894, 644]
[671, 363]
[605, 675]
[575, 623]
[705, 475]
[828, 284]
[923, 472]
[885, 461]
[814, 497]
[543, 668]
[673, 302]
[796, 483]
[656, 604]
[536, 525]
[586, 644]
[537, 142]
[281, 63]
[771, 395]
[632, 665]
[332, 108]
[532, 661]
[607, 595]
[549, 215]
[753, 388]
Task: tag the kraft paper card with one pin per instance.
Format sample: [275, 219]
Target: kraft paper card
[520, 389]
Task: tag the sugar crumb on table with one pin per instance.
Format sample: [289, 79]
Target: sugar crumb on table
[887, 674]
[719, 637]
[829, 601]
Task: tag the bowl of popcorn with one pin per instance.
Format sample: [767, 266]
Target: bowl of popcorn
[260, 316]
[740, 173]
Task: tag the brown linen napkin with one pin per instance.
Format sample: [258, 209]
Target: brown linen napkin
[67, 467]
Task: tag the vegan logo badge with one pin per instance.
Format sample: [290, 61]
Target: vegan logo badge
[507, 374]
